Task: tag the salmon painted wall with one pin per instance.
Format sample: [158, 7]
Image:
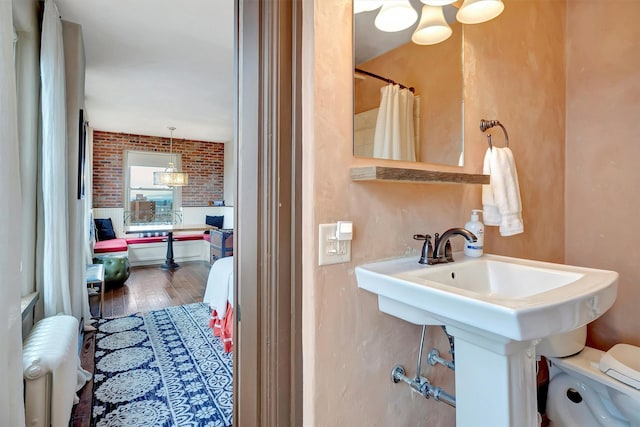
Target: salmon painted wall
[603, 107]
[514, 73]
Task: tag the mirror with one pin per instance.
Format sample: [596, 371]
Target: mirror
[434, 71]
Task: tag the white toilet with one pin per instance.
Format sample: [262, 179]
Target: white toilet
[591, 388]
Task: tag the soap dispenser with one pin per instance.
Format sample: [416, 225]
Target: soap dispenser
[474, 249]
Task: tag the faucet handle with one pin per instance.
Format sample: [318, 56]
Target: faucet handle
[427, 249]
[448, 254]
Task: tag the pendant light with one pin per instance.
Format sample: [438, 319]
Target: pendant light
[365, 5]
[398, 15]
[395, 15]
[438, 2]
[171, 177]
[478, 11]
[433, 28]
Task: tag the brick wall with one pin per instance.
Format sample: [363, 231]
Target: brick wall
[203, 161]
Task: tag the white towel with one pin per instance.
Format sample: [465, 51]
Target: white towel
[490, 212]
[501, 197]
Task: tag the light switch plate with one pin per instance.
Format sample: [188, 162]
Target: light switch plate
[330, 250]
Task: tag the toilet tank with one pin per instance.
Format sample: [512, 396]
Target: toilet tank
[562, 345]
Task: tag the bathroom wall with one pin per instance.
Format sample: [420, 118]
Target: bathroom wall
[515, 73]
[603, 107]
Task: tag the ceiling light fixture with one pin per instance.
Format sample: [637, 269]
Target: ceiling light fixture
[438, 2]
[478, 11]
[171, 176]
[365, 5]
[395, 15]
[398, 15]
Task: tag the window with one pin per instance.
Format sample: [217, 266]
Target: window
[145, 202]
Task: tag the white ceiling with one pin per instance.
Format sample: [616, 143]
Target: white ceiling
[154, 64]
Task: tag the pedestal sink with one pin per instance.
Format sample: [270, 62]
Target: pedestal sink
[497, 308]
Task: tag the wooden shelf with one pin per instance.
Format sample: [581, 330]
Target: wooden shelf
[384, 173]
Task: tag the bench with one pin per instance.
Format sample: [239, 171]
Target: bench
[152, 249]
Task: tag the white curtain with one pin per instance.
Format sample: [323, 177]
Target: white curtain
[395, 133]
[55, 186]
[11, 403]
[56, 297]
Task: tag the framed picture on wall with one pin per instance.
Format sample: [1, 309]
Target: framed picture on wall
[82, 150]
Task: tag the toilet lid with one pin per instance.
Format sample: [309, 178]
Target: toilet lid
[622, 362]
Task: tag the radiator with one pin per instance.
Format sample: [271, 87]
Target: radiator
[50, 364]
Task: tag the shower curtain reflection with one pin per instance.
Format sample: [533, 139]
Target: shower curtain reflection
[395, 130]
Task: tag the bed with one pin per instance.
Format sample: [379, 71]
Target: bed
[219, 295]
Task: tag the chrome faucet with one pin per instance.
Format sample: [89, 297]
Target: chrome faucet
[441, 250]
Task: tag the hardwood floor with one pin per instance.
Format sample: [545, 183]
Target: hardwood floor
[152, 288]
[148, 288]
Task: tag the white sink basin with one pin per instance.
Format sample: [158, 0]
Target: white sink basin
[496, 308]
[498, 278]
[515, 298]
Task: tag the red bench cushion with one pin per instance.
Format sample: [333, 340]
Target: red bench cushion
[190, 236]
[113, 245]
[121, 245]
[152, 239]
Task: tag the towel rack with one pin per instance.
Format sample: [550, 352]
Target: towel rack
[488, 124]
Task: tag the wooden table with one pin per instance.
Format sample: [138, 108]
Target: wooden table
[169, 263]
[95, 276]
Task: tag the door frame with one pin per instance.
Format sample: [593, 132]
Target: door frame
[267, 256]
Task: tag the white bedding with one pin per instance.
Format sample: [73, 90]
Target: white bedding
[219, 288]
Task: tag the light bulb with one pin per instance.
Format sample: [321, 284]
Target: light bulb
[395, 15]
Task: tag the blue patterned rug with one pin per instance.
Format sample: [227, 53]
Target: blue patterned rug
[162, 368]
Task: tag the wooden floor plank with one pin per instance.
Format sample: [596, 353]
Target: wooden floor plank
[81, 415]
[148, 288]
